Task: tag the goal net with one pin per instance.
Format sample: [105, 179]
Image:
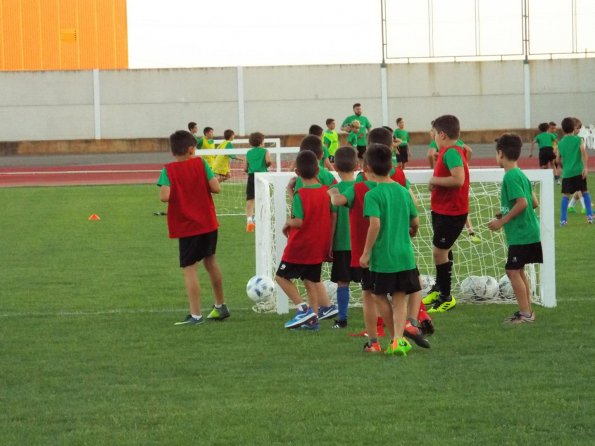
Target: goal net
[477, 261]
[232, 199]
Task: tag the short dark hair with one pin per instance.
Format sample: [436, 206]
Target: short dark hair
[449, 124]
[399, 120]
[228, 134]
[510, 145]
[206, 130]
[578, 123]
[191, 125]
[380, 135]
[313, 144]
[306, 164]
[315, 130]
[379, 159]
[568, 125]
[552, 123]
[329, 120]
[543, 127]
[256, 139]
[180, 141]
[345, 159]
[357, 104]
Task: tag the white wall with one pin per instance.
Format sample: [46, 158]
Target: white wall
[57, 105]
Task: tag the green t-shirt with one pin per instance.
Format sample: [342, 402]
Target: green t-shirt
[360, 177]
[330, 140]
[325, 156]
[256, 159]
[434, 146]
[392, 204]
[341, 241]
[524, 228]
[164, 179]
[324, 177]
[352, 138]
[365, 126]
[403, 135]
[569, 148]
[452, 158]
[545, 139]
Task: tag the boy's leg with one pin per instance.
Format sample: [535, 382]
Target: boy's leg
[564, 209]
[588, 205]
[384, 308]
[399, 312]
[520, 285]
[443, 280]
[290, 289]
[313, 289]
[370, 314]
[342, 300]
[192, 289]
[214, 272]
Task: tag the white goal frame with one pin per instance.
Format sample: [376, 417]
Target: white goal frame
[270, 235]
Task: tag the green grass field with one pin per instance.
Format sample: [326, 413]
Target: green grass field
[89, 353]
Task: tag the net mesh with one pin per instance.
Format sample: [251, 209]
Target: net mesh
[479, 258]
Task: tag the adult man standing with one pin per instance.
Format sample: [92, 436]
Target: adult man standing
[365, 127]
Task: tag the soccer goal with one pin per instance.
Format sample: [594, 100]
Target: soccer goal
[483, 259]
[232, 199]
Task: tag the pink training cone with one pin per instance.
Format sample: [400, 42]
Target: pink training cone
[94, 217]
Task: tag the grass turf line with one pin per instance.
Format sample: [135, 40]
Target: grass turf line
[131, 377]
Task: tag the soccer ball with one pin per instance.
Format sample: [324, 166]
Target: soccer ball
[479, 288]
[331, 290]
[505, 288]
[427, 282]
[260, 288]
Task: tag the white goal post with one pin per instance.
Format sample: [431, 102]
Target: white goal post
[487, 258]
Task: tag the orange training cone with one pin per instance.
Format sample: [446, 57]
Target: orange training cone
[94, 217]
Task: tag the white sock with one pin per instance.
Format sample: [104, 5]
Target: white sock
[583, 201]
[197, 316]
[249, 220]
[572, 202]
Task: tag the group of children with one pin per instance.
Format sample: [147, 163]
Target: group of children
[364, 225]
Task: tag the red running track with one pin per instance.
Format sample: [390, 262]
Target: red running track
[149, 173]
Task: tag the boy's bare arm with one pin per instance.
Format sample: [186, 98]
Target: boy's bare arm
[519, 206]
[534, 200]
[214, 185]
[267, 159]
[585, 159]
[329, 166]
[371, 237]
[333, 230]
[291, 223]
[413, 226]
[164, 193]
[456, 178]
[468, 151]
[337, 198]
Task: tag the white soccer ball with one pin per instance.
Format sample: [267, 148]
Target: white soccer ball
[260, 288]
[473, 287]
[505, 288]
[491, 287]
[427, 282]
[331, 290]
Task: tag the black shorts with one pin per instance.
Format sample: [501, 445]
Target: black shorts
[403, 281]
[250, 187]
[520, 255]
[342, 271]
[574, 184]
[447, 229]
[360, 151]
[196, 247]
[546, 156]
[403, 156]
[367, 281]
[298, 271]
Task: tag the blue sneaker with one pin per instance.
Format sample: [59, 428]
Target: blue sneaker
[300, 317]
[327, 312]
[189, 320]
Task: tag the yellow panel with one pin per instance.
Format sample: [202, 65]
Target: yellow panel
[121, 23]
[87, 36]
[50, 35]
[11, 35]
[31, 32]
[68, 47]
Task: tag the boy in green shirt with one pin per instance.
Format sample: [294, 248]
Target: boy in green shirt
[258, 159]
[330, 139]
[207, 142]
[325, 177]
[517, 201]
[388, 251]
[573, 156]
[402, 137]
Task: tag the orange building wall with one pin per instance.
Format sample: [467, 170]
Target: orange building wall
[63, 35]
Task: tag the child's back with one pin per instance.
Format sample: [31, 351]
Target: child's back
[569, 148]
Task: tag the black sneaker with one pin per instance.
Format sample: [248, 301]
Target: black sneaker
[416, 336]
[340, 324]
[218, 314]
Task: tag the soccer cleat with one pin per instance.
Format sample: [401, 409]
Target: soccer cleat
[474, 239]
[300, 317]
[189, 320]
[425, 321]
[416, 335]
[218, 314]
[372, 347]
[359, 334]
[442, 306]
[398, 347]
[571, 210]
[518, 318]
[327, 312]
[563, 223]
[339, 324]
[590, 220]
[432, 297]
[311, 324]
[250, 226]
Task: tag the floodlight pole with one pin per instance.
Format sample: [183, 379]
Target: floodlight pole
[526, 70]
[383, 72]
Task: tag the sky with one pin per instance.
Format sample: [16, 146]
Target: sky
[222, 33]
